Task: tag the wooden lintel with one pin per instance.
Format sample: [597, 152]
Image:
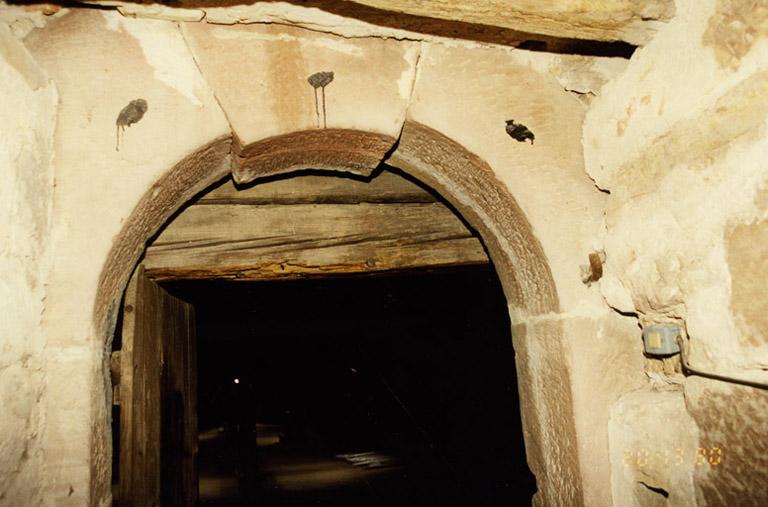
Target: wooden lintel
[387, 187]
[307, 240]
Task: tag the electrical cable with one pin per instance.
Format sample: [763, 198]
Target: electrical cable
[694, 371]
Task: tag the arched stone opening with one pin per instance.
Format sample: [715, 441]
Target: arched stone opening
[461, 177]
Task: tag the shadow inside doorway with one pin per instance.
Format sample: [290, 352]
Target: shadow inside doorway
[395, 389]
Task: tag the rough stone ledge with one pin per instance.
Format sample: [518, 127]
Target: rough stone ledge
[613, 31]
[634, 21]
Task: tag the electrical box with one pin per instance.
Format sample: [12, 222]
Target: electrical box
[661, 340]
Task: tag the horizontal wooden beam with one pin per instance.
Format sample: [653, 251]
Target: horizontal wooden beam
[300, 240]
[314, 188]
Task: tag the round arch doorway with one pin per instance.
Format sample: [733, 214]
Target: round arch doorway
[471, 187]
[353, 347]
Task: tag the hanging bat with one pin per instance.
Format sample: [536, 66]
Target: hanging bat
[129, 115]
[519, 132]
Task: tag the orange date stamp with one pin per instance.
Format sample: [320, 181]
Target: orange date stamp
[704, 456]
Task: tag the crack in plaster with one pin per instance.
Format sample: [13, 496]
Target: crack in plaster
[324, 43]
[337, 31]
[205, 80]
[406, 85]
[411, 90]
[161, 53]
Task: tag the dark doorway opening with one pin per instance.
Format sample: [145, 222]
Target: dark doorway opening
[393, 389]
[362, 357]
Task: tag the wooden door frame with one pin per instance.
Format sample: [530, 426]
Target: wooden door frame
[157, 397]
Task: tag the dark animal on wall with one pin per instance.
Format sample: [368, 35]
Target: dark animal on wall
[320, 80]
[129, 115]
[519, 132]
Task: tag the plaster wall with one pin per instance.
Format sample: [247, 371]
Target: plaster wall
[680, 141]
[26, 197]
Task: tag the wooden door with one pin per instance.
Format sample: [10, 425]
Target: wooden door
[158, 398]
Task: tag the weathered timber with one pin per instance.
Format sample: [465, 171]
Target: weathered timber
[320, 189]
[293, 241]
[140, 403]
[158, 414]
[179, 402]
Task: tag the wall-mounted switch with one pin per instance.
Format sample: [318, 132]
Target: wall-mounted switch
[661, 340]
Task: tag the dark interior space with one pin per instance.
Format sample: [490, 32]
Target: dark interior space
[366, 390]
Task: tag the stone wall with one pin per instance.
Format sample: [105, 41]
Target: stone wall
[677, 136]
[680, 141]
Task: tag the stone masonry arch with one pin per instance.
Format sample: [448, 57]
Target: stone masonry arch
[463, 179]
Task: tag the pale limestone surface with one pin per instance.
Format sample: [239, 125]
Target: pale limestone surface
[22, 19]
[654, 444]
[683, 157]
[584, 75]
[680, 141]
[606, 362]
[260, 73]
[26, 196]
[733, 422]
[634, 21]
[151, 60]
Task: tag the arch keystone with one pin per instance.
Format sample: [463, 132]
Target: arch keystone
[355, 151]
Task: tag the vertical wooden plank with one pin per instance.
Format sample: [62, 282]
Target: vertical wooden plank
[141, 359]
[179, 427]
[158, 337]
[127, 491]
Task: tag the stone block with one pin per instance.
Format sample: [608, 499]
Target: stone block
[654, 450]
[606, 358]
[100, 63]
[732, 463]
[273, 80]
